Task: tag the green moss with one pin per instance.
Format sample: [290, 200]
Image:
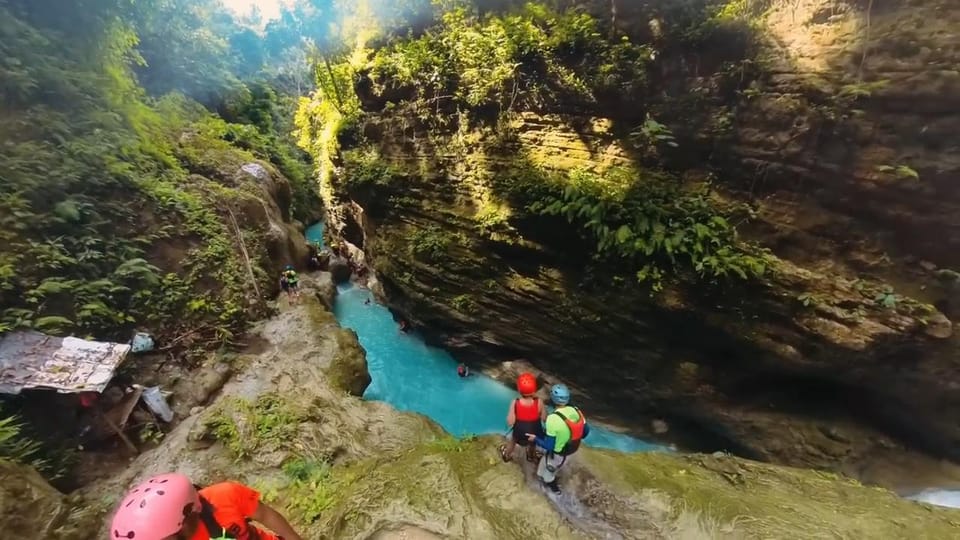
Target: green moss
[767, 501]
[247, 428]
[444, 485]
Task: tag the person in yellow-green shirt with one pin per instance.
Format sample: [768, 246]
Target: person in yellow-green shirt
[564, 429]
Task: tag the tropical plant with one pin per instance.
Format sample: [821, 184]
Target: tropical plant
[648, 220]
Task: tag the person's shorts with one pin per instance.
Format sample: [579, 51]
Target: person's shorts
[520, 430]
[293, 284]
[285, 286]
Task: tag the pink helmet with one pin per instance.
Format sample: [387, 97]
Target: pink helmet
[154, 509]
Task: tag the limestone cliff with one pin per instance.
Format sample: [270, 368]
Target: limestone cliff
[839, 358]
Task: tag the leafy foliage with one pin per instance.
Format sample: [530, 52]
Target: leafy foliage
[100, 186]
[366, 168]
[431, 243]
[531, 56]
[14, 446]
[649, 221]
[312, 489]
[246, 427]
[899, 171]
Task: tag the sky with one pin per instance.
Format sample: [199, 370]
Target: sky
[270, 9]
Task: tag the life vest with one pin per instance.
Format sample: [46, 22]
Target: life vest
[576, 431]
[527, 412]
[218, 531]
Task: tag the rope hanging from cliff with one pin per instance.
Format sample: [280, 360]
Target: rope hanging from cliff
[243, 251]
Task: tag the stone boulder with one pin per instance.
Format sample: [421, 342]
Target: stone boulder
[348, 369]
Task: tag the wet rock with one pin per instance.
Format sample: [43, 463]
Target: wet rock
[340, 270]
[659, 426]
[834, 433]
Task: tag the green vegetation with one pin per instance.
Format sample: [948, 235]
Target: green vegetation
[17, 448]
[464, 303]
[886, 298]
[649, 221]
[247, 428]
[526, 57]
[902, 172]
[311, 490]
[112, 205]
[366, 169]
[432, 243]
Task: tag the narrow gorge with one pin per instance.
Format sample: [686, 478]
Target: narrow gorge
[820, 128]
[344, 228]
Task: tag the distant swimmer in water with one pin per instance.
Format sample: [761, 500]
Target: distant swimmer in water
[366, 302]
[404, 327]
[463, 371]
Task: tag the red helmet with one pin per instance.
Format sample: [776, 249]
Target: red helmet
[526, 384]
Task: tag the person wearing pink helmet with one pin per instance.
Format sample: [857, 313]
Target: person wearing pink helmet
[170, 507]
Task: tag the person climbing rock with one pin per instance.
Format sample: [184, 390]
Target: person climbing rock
[171, 507]
[564, 429]
[463, 371]
[293, 282]
[525, 417]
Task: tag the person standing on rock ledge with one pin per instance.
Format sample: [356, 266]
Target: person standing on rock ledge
[170, 507]
[290, 283]
[565, 428]
[525, 417]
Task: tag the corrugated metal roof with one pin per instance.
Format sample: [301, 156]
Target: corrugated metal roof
[67, 365]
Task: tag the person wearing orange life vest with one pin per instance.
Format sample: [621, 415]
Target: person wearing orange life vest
[524, 416]
[564, 429]
[170, 507]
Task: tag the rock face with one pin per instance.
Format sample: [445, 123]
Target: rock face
[340, 467]
[848, 335]
[31, 508]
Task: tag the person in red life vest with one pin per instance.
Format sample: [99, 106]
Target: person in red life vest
[525, 415]
[170, 507]
[463, 371]
[564, 429]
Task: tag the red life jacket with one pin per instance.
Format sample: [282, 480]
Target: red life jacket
[527, 412]
[576, 431]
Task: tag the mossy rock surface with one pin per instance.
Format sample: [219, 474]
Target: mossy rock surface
[754, 500]
[341, 467]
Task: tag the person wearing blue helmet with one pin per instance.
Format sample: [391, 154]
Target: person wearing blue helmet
[565, 427]
[289, 282]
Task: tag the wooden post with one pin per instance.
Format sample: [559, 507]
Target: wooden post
[123, 436]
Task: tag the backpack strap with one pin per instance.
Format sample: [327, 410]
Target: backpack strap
[210, 522]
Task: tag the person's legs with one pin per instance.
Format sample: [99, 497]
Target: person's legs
[506, 451]
[550, 463]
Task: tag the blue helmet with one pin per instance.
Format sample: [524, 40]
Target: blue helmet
[560, 394]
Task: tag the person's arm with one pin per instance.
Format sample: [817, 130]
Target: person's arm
[543, 411]
[548, 441]
[511, 414]
[586, 430]
[274, 521]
